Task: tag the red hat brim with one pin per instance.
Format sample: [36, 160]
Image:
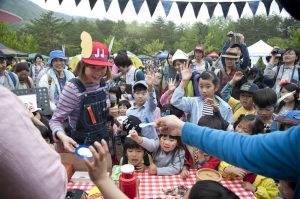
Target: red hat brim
[96, 62]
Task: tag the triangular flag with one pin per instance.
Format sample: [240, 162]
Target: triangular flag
[240, 7]
[107, 4]
[92, 3]
[181, 6]
[45, 1]
[279, 5]
[137, 4]
[167, 4]
[253, 6]
[122, 5]
[60, 1]
[196, 7]
[225, 7]
[211, 7]
[152, 4]
[267, 4]
[77, 2]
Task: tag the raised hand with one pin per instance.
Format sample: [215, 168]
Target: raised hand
[169, 125]
[238, 75]
[134, 135]
[149, 79]
[186, 71]
[171, 85]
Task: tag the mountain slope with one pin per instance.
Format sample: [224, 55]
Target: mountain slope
[27, 9]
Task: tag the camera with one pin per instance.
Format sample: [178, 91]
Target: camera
[277, 52]
[233, 34]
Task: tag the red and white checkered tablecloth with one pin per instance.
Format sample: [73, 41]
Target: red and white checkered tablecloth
[85, 186]
[151, 185]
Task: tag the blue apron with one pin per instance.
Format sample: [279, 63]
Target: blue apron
[88, 131]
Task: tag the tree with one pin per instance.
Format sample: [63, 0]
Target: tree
[153, 47]
[278, 41]
[295, 38]
[22, 42]
[48, 31]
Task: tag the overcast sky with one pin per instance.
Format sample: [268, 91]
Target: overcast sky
[83, 9]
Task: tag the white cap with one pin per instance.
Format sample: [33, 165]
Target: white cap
[179, 54]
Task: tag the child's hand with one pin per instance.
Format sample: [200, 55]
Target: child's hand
[236, 171]
[186, 72]
[149, 79]
[171, 85]
[211, 102]
[140, 168]
[98, 166]
[134, 135]
[249, 187]
[238, 75]
[152, 169]
[184, 173]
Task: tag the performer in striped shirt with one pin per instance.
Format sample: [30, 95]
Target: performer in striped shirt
[83, 101]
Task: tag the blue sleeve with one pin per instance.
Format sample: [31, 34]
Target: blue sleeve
[275, 155]
[140, 75]
[246, 58]
[225, 47]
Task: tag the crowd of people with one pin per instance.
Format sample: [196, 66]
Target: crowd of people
[107, 98]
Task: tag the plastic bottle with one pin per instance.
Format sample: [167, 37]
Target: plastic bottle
[128, 182]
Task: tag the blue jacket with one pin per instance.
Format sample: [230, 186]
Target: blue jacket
[241, 64]
[275, 155]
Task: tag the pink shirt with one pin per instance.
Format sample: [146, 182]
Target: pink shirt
[114, 69]
[29, 168]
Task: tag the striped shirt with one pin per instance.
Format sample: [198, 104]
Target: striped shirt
[208, 109]
[69, 105]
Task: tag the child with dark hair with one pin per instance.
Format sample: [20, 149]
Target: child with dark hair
[169, 109]
[168, 153]
[206, 102]
[123, 106]
[208, 189]
[262, 187]
[290, 102]
[245, 103]
[22, 70]
[201, 159]
[135, 155]
[145, 104]
[265, 102]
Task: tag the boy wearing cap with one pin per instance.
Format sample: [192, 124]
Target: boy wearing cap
[245, 104]
[145, 104]
[56, 76]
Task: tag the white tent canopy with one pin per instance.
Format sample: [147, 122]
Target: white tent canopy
[259, 49]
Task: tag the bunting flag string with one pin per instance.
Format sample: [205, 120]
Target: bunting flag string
[196, 7]
[137, 4]
[167, 4]
[253, 6]
[267, 4]
[279, 5]
[240, 7]
[122, 5]
[211, 7]
[152, 4]
[107, 4]
[77, 2]
[182, 5]
[225, 7]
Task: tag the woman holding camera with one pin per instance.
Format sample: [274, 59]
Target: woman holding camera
[288, 71]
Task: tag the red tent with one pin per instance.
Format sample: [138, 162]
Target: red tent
[6, 16]
[213, 55]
